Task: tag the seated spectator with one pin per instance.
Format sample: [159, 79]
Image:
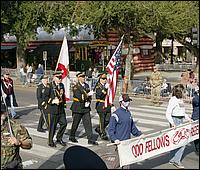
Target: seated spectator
[190, 89]
[164, 88]
[139, 89]
[39, 72]
[147, 86]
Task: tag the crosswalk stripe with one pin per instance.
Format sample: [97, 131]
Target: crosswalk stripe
[42, 151]
[147, 110]
[188, 108]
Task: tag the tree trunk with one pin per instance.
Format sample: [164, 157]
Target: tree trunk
[172, 51]
[127, 76]
[159, 39]
[20, 55]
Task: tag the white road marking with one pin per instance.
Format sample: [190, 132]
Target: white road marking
[29, 162]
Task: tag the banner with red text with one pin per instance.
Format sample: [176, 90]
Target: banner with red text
[138, 149]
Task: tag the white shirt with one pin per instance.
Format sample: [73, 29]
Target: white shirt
[176, 107]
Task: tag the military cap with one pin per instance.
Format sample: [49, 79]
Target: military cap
[102, 76]
[57, 72]
[80, 74]
[44, 77]
[125, 98]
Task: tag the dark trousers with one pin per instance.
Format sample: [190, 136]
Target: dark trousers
[54, 120]
[86, 119]
[196, 144]
[42, 121]
[104, 119]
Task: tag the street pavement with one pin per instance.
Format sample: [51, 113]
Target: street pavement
[149, 119]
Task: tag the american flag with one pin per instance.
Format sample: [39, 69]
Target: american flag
[113, 70]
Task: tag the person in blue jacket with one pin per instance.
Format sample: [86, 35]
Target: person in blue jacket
[121, 124]
[195, 115]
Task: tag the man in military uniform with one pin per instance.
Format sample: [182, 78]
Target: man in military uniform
[13, 137]
[156, 82]
[57, 112]
[43, 92]
[81, 109]
[104, 113]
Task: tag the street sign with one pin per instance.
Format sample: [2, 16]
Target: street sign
[44, 55]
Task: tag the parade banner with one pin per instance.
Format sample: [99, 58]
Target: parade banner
[139, 149]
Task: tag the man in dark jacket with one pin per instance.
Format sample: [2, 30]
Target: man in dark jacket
[8, 93]
[81, 109]
[104, 113]
[43, 92]
[195, 115]
[57, 113]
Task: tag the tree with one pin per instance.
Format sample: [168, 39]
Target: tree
[123, 17]
[21, 18]
[169, 19]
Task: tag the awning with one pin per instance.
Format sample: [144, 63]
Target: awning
[6, 47]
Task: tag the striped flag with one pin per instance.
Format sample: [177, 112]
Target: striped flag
[113, 70]
[63, 65]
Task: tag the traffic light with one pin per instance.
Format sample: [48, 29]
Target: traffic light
[195, 37]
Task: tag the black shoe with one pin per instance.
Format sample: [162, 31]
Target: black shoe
[104, 137]
[73, 140]
[61, 142]
[41, 130]
[52, 144]
[98, 131]
[92, 142]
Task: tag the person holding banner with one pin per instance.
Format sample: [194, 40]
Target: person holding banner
[121, 124]
[175, 115]
[195, 115]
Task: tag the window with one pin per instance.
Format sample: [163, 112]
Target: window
[145, 52]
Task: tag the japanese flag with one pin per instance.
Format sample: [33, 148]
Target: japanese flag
[63, 65]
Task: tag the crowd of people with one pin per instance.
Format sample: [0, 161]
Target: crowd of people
[115, 124]
[30, 74]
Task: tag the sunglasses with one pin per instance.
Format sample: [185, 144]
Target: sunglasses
[104, 78]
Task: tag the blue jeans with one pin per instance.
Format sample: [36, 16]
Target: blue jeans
[176, 154]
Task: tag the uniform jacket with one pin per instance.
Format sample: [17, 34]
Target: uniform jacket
[10, 152]
[55, 93]
[43, 94]
[195, 105]
[7, 86]
[101, 93]
[80, 97]
[121, 125]
[156, 79]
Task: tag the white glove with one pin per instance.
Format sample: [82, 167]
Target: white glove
[113, 109]
[87, 104]
[55, 101]
[91, 93]
[107, 85]
[117, 142]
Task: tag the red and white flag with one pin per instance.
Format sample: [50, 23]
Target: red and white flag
[113, 71]
[63, 65]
